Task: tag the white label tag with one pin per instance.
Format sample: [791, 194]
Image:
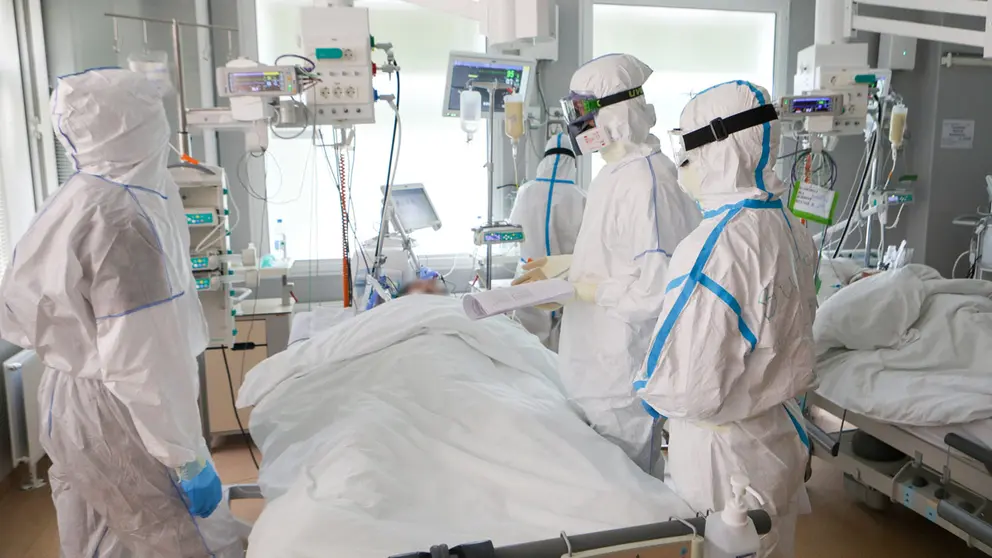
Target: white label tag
[813, 202]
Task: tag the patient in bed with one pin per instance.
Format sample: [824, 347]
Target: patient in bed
[424, 286]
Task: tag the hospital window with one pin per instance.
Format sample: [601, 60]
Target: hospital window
[688, 49]
[300, 187]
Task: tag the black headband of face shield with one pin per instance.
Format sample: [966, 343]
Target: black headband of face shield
[559, 151]
[721, 128]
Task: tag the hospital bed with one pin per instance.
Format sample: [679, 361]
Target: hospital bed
[885, 404]
[409, 426]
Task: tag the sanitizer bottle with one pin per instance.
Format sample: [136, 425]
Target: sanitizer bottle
[731, 533]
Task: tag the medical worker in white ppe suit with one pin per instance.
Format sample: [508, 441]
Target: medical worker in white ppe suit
[549, 208]
[100, 286]
[635, 216]
[733, 347]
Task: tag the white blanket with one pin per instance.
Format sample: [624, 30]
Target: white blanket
[410, 425]
[925, 348]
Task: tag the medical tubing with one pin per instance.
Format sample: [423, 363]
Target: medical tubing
[345, 255]
[957, 261]
[389, 174]
[861, 187]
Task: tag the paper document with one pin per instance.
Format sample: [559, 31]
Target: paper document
[527, 295]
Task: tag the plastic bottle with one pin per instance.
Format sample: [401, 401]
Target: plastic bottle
[731, 533]
[470, 111]
[279, 244]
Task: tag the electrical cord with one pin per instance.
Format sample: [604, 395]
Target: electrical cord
[861, 186]
[234, 404]
[956, 262]
[308, 69]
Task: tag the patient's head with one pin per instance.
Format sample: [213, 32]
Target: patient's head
[423, 286]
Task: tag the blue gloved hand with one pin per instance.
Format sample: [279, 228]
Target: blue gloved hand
[201, 490]
[427, 273]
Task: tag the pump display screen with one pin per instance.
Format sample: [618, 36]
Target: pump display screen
[255, 82]
[517, 236]
[812, 105]
[199, 218]
[202, 283]
[462, 71]
[200, 262]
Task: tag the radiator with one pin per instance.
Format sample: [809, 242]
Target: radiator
[22, 377]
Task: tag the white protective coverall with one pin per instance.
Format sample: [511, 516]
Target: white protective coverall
[549, 208]
[733, 347]
[635, 216]
[101, 287]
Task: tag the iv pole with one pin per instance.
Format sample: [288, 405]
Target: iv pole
[183, 132]
[491, 87]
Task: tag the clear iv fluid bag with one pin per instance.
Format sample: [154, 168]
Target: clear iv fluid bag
[470, 104]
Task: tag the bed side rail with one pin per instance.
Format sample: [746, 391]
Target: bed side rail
[974, 526]
[556, 548]
[971, 449]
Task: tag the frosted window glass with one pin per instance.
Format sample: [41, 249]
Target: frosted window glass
[298, 179]
[688, 49]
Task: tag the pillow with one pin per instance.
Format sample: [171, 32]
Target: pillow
[873, 313]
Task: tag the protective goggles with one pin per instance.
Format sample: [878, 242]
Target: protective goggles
[580, 112]
[578, 106]
[719, 129]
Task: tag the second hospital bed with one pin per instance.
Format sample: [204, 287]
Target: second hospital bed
[411, 425]
[905, 359]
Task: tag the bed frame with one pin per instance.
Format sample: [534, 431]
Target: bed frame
[950, 484]
[564, 545]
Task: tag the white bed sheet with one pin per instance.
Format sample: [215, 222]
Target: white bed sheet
[308, 323]
[411, 425]
[930, 369]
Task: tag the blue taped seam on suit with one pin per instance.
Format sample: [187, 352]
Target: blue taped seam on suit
[696, 274]
[158, 239]
[654, 204]
[688, 287]
[638, 385]
[142, 307]
[551, 193]
[735, 306]
[654, 251]
[674, 283]
[765, 131]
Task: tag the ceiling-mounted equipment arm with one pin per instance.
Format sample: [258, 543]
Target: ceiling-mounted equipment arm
[981, 9]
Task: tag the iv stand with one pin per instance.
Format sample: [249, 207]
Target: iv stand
[491, 87]
[177, 51]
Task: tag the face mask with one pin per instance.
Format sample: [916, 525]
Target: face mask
[580, 111]
[690, 181]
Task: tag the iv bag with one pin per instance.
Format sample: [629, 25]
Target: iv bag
[155, 66]
[470, 111]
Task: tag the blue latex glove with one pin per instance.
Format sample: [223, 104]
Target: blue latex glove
[202, 493]
[427, 273]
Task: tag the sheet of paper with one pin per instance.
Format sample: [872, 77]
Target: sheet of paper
[527, 295]
[957, 134]
[814, 203]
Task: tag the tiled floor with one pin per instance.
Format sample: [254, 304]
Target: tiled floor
[838, 527]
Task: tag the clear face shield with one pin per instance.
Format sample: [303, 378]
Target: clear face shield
[580, 111]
